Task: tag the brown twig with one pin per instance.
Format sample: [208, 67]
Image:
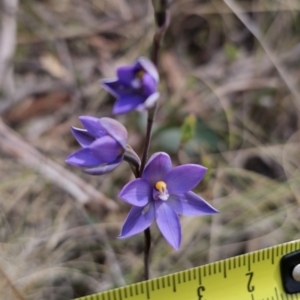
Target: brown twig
[13, 145]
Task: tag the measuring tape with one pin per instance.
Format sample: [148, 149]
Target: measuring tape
[261, 275]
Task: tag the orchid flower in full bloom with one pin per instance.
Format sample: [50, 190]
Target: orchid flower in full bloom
[163, 193]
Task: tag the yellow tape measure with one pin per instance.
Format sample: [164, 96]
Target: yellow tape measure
[261, 275]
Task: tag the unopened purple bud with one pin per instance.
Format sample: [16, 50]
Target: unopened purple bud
[103, 143]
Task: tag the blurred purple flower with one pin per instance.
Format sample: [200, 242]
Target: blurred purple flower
[135, 87]
[103, 144]
[162, 193]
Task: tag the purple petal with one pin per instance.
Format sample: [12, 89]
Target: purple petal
[104, 168]
[112, 86]
[157, 167]
[149, 67]
[82, 136]
[116, 130]
[184, 178]
[127, 103]
[149, 84]
[126, 74]
[190, 204]
[107, 149]
[169, 224]
[138, 219]
[83, 158]
[92, 125]
[137, 192]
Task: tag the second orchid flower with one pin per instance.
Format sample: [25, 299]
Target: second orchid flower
[135, 86]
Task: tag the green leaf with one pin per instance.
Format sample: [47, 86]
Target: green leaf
[187, 129]
[231, 51]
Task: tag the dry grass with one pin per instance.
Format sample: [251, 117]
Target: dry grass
[235, 64]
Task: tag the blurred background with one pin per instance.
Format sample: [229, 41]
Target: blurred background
[229, 69]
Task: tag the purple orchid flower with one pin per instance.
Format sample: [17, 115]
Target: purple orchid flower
[162, 193]
[135, 87]
[103, 144]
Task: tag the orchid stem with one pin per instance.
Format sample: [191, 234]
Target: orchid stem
[156, 45]
[151, 112]
[147, 234]
[151, 116]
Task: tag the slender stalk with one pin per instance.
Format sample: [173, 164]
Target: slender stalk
[147, 234]
[151, 112]
[134, 161]
[156, 44]
[150, 120]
